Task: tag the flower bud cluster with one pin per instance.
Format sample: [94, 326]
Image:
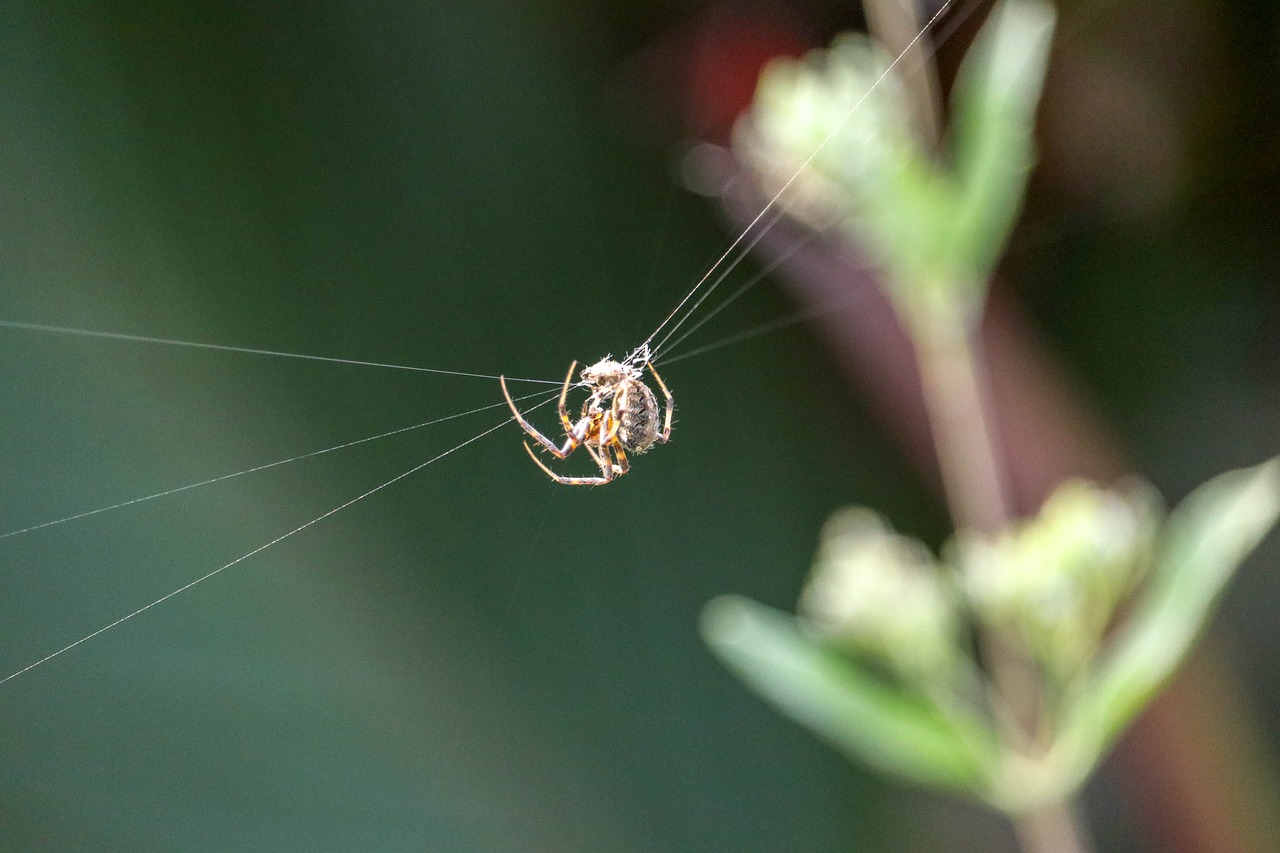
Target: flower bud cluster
[830, 129]
[1052, 585]
[880, 593]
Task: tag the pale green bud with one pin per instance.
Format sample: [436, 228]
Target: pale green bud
[832, 128]
[883, 594]
[1053, 584]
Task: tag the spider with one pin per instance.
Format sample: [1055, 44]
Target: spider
[620, 416]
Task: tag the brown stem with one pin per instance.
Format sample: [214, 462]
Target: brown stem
[1056, 828]
[955, 397]
[958, 404]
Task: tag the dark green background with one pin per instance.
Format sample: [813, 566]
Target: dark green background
[475, 658]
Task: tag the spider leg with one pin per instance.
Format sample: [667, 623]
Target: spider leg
[564, 396]
[594, 454]
[610, 455]
[670, 405]
[572, 439]
[620, 461]
[568, 481]
[607, 440]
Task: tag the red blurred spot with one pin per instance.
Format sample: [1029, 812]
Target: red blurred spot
[729, 50]
[696, 80]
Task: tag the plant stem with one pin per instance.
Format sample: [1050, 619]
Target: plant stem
[1056, 828]
[955, 397]
[973, 481]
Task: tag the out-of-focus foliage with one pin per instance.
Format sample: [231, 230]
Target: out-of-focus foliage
[880, 676]
[1200, 548]
[896, 730]
[880, 593]
[1052, 586]
[1042, 597]
[834, 129]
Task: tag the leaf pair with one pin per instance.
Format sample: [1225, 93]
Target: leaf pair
[937, 739]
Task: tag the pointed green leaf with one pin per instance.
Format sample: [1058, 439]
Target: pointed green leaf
[993, 105]
[896, 731]
[1204, 541]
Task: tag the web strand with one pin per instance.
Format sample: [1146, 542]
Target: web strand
[256, 468]
[780, 323]
[260, 549]
[742, 255]
[760, 276]
[144, 339]
[773, 202]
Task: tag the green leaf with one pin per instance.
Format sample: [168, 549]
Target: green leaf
[835, 127]
[898, 732]
[993, 107]
[1204, 541]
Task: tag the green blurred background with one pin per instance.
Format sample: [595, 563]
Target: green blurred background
[476, 659]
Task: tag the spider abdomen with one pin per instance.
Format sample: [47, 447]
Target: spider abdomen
[637, 412]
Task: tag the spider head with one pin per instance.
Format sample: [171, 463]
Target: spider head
[608, 373]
